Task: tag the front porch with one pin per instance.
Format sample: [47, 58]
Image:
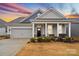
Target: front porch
[54, 28]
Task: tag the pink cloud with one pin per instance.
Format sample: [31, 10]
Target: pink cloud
[17, 7]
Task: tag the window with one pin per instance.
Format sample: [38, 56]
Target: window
[50, 29]
[60, 29]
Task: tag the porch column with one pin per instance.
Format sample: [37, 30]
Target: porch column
[33, 29]
[7, 30]
[57, 29]
[46, 29]
[65, 29]
[69, 29]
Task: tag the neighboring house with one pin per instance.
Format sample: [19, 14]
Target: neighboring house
[3, 27]
[17, 20]
[42, 24]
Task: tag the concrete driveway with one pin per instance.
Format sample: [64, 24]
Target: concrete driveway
[9, 47]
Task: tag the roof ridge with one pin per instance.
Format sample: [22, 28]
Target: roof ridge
[52, 9]
[31, 14]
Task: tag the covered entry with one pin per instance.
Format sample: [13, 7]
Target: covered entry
[55, 28]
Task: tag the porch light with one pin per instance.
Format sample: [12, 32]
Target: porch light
[38, 29]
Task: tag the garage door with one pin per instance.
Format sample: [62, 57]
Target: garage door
[21, 33]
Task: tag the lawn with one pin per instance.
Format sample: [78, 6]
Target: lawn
[50, 49]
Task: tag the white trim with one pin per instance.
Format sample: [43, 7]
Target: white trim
[20, 27]
[33, 29]
[17, 27]
[31, 15]
[69, 29]
[46, 30]
[54, 10]
[42, 14]
[51, 22]
[57, 29]
[8, 29]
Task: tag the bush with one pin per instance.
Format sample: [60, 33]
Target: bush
[53, 38]
[39, 39]
[61, 39]
[47, 39]
[56, 39]
[33, 39]
[68, 39]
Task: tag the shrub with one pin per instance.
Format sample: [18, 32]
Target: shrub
[33, 39]
[39, 39]
[56, 39]
[51, 38]
[68, 39]
[47, 39]
[61, 39]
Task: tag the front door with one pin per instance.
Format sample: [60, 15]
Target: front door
[38, 32]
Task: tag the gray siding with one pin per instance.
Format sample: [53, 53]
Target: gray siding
[75, 29]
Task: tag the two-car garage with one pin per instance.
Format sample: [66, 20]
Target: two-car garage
[21, 32]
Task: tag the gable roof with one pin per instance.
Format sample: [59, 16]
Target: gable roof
[51, 14]
[32, 16]
[3, 23]
[17, 20]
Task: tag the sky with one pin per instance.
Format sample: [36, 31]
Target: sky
[11, 11]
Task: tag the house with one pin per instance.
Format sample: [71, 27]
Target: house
[42, 23]
[3, 27]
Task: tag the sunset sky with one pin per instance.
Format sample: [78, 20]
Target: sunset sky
[11, 11]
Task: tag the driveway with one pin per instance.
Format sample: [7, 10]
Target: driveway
[9, 47]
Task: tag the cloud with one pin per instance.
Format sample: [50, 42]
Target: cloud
[12, 7]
